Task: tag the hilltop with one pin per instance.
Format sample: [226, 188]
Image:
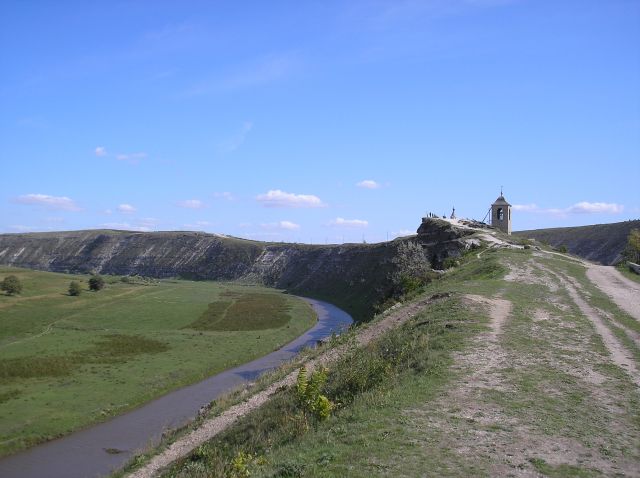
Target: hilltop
[601, 243]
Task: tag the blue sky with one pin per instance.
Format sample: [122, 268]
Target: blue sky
[316, 121]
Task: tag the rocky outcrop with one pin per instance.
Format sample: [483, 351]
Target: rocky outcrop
[441, 240]
[353, 276]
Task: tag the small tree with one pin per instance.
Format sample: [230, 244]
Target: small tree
[96, 283]
[74, 288]
[11, 285]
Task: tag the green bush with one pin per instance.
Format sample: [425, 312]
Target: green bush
[96, 283]
[75, 289]
[450, 262]
[309, 396]
[632, 251]
[11, 285]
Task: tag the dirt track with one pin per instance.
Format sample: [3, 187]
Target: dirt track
[624, 292]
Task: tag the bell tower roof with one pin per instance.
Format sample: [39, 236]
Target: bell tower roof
[501, 201]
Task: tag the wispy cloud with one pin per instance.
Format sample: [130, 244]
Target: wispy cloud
[341, 222]
[224, 195]
[234, 142]
[583, 207]
[191, 204]
[146, 224]
[525, 207]
[126, 209]
[368, 184]
[133, 158]
[387, 15]
[403, 232]
[61, 203]
[278, 198]
[284, 225]
[125, 226]
[254, 73]
[22, 228]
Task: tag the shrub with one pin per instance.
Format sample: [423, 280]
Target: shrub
[74, 288]
[96, 283]
[632, 252]
[562, 249]
[309, 396]
[450, 262]
[11, 285]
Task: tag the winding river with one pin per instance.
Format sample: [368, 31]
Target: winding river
[83, 454]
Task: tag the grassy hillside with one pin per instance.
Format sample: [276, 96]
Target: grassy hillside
[66, 362]
[601, 243]
[505, 377]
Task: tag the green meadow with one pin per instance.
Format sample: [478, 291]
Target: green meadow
[67, 362]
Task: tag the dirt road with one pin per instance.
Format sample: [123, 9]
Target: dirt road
[624, 292]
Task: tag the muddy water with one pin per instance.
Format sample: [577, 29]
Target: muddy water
[82, 454]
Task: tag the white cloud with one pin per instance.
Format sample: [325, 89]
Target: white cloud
[234, 142]
[100, 151]
[341, 222]
[403, 232]
[583, 207]
[133, 158]
[368, 184]
[191, 204]
[285, 225]
[525, 207]
[62, 203]
[278, 198]
[126, 209]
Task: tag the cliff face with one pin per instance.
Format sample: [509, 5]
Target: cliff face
[353, 276]
[603, 243]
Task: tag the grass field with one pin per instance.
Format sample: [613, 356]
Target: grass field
[67, 362]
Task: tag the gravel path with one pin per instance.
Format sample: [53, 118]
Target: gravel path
[619, 353]
[624, 292]
[215, 425]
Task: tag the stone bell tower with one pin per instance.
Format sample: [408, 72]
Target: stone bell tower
[501, 214]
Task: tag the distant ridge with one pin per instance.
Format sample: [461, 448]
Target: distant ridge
[355, 277]
[601, 243]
